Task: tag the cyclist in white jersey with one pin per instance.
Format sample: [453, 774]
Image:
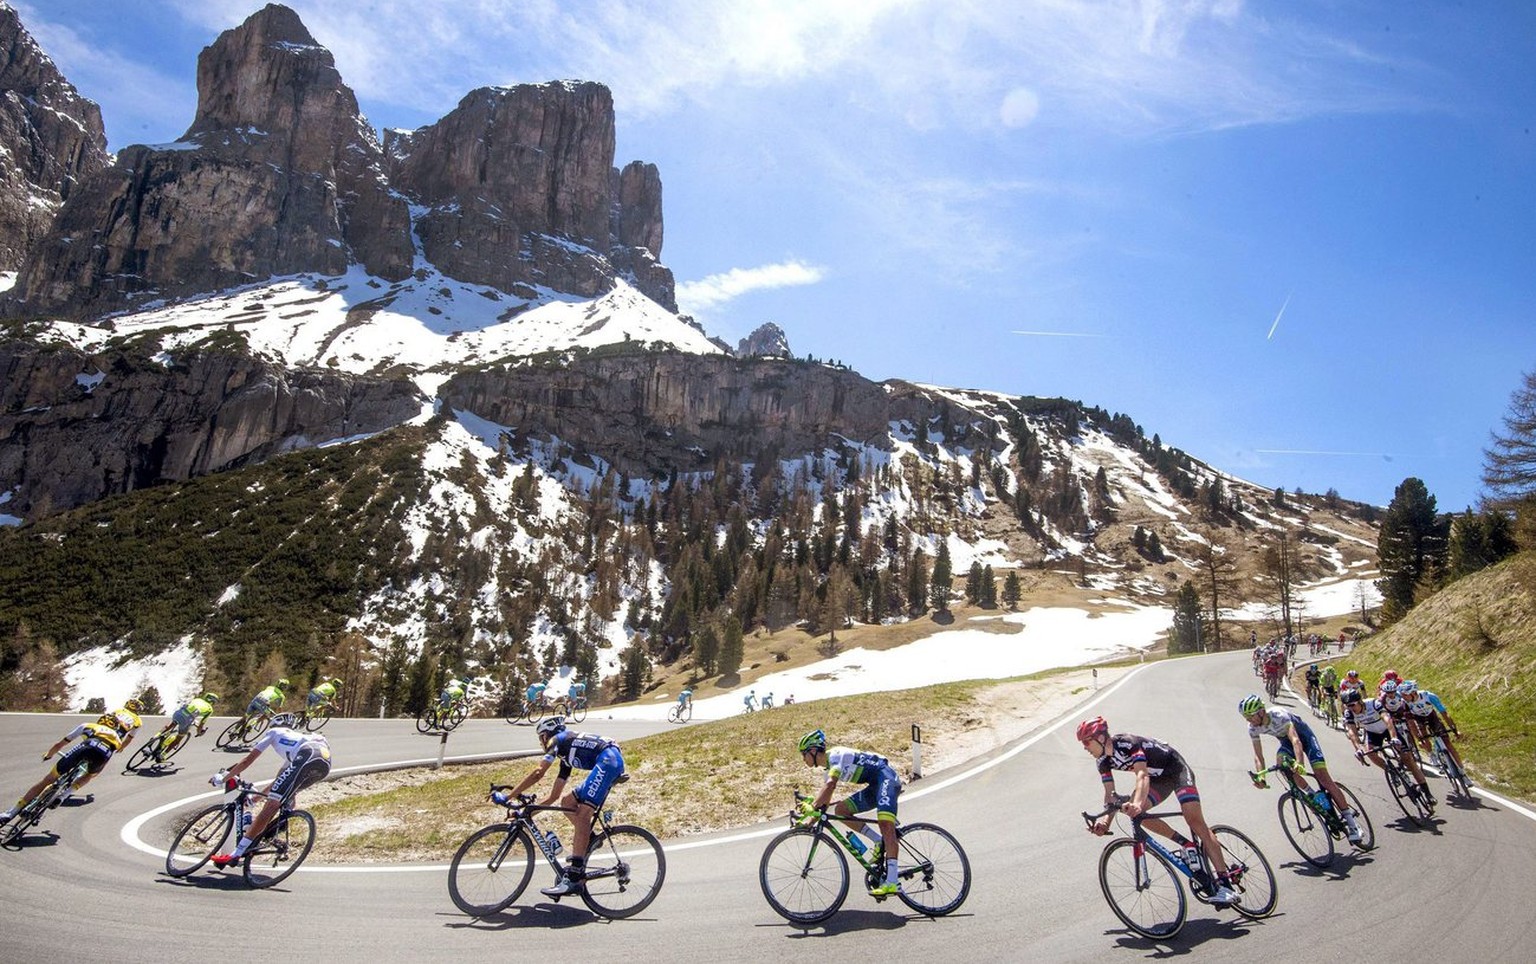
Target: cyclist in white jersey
[1367, 722]
[1427, 718]
[1297, 743]
[307, 760]
[882, 787]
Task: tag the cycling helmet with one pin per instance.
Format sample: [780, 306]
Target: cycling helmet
[283, 683]
[1351, 696]
[284, 719]
[109, 719]
[1250, 705]
[134, 706]
[1353, 674]
[211, 697]
[1389, 686]
[814, 740]
[547, 729]
[1092, 729]
[1407, 688]
[1391, 674]
[336, 681]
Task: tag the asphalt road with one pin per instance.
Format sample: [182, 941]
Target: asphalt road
[1458, 891]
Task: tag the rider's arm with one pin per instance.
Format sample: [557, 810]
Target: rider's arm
[1258, 754]
[244, 762]
[1139, 792]
[57, 747]
[1295, 738]
[534, 776]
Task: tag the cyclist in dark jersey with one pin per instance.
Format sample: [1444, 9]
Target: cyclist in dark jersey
[605, 766]
[1159, 771]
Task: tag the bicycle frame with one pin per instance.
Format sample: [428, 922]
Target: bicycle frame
[829, 822]
[1330, 815]
[521, 813]
[1143, 839]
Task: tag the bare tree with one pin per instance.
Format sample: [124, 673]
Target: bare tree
[1218, 571]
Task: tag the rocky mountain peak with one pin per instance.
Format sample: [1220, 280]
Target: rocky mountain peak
[767, 341]
[51, 139]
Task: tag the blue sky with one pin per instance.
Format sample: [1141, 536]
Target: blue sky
[1297, 240]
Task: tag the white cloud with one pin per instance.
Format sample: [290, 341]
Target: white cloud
[1019, 108]
[717, 289]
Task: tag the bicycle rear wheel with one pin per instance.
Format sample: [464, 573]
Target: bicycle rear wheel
[1362, 819]
[1306, 830]
[199, 839]
[491, 869]
[625, 870]
[314, 722]
[1146, 897]
[174, 745]
[143, 756]
[254, 727]
[578, 711]
[1408, 801]
[935, 873]
[281, 849]
[1250, 873]
[804, 875]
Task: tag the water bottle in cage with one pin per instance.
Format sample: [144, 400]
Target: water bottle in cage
[551, 843]
[246, 817]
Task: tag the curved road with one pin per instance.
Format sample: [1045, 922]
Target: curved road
[1034, 894]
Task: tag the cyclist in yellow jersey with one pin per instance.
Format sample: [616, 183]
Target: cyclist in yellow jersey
[324, 694]
[99, 739]
[269, 700]
[194, 712]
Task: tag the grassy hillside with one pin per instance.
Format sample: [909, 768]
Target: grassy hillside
[1474, 644]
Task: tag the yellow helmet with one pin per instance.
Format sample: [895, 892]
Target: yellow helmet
[134, 706]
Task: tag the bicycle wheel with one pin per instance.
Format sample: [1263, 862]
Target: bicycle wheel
[456, 715]
[315, 722]
[199, 839]
[230, 735]
[491, 869]
[1362, 819]
[1250, 873]
[1305, 829]
[625, 870]
[935, 873]
[1147, 898]
[174, 745]
[426, 720]
[675, 714]
[254, 727]
[281, 849]
[1408, 800]
[144, 756]
[804, 875]
[578, 711]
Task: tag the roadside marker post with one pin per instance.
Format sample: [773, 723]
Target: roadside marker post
[917, 752]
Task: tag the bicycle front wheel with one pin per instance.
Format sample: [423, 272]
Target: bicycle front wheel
[625, 869]
[578, 711]
[199, 839]
[281, 849]
[1408, 801]
[456, 716]
[491, 869]
[254, 727]
[1250, 873]
[1143, 892]
[804, 875]
[230, 735]
[675, 714]
[174, 744]
[316, 721]
[1306, 831]
[935, 873]
[1362, 819]
[143, 756]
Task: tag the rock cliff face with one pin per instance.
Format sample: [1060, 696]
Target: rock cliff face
[519, 188]
[767, 341]
[51, 139]
[652, 413]
[75, 428]
[278, 174]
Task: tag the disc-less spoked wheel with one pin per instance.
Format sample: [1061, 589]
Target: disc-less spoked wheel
[935, 874]
[625, 870]
[230, 735]
[804, 875]
[1144, 892]
[199, 839]
[1362, 820]
[1306, 831]
[491, 869]
[281, 850]
[172, 746]
[1409, 801]
[1250, 873]
[143, 757]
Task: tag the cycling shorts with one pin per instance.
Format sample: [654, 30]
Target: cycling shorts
[184, 719]
[308, 766]
[1309, 746]
[879, 795]
[93, 753]
[1178, 779]
[605, 772]
[258, 707]
[1374, 741]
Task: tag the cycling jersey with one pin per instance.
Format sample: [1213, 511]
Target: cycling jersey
[587, 751]
[324, 693]
[1276, 726]
[307, 757]
[1167, 769]
[535, 691]
[288, 742]
[1313, 675]
[1393, 703]
[195, 711]
[270, 698]
[106, 737]
[1433, 700]
[882, 784]
[1367, 715]
[854, 766]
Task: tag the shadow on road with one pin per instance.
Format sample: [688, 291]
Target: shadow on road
[212, 880]
[852, 922]
[544, 914]
[1194, 935]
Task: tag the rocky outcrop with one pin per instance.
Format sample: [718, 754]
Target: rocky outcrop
[767, 341]
[519, 189]
[278, 174]
[51, 139]
[75, 428]
[656, 412]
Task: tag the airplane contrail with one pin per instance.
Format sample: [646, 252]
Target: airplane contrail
[1373, 455]
[1058, 334]
[1271, 335]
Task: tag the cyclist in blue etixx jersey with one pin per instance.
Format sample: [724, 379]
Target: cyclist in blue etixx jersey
[882, 788]
[577, 692]
[684, 698]
[1297, 742]
[99, 739]
[604, 764]
[535, 692]
[307, 760]
[1159, 771]
[1428, 718]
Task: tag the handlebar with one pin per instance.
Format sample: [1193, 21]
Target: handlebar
[1115, 803]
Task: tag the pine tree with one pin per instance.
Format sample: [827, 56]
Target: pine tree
[1509, 466]
[917, 583]
[1411, 547]
[1013, 591]
[706, 650]
[988, 595]
[973, 583]
[1185, 635]
[731, 647]
[943, 577]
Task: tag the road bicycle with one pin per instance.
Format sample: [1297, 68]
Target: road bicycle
[314, 718]
[680, 712]
[804, 870]
[436, 716]
[1446, 764]
[624, 872]
[532, 711]
[158, 749]
[1272, 685]
[1405, 790]
[1331, 708]
[1400, 727]
[272, 857]
[54, 794]
[1312, 823]
[244, 730]
[1140, 876]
